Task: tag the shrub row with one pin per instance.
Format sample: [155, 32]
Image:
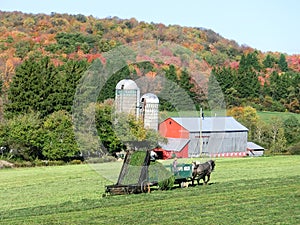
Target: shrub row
[101, 160]
[34, 163]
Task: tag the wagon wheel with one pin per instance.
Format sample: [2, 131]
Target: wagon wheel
[145, 186]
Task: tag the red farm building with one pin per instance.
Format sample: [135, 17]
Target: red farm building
[220, 137]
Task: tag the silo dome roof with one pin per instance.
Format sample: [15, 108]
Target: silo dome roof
[127, 84]
[150, 98]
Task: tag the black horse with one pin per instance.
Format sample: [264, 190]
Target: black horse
[202, 170]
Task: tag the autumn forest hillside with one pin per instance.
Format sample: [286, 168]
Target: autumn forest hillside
[64, 37]
[43, 57]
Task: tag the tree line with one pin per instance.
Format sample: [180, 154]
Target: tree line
[259, 85]
[38, 121]
[278, 136]
[38, 109]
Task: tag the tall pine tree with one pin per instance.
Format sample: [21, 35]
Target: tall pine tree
[283, 66]
[30, 87]
[248, 85]
[40, 86]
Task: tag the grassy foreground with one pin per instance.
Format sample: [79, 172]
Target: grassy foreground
[262, 190]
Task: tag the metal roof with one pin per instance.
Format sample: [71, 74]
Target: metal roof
[150, 98]
[210, 124]
[127, 84]
[175, 144]
[253, 146]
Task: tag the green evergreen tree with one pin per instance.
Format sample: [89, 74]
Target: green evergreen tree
[268, 61]
[274, 86]
[226, 78]
[185, 83]
[171, 74]
[248, 85]
[281, 88]
[173, 98]
[30, 87]
[167, 95]
[66, 83]
[108, 90]
[243, 63]
[1, 85]
[254, 61]
[291, 86]
[215, 94]
[177, 94]
[291, 129]
[283, 66]
[40, 86]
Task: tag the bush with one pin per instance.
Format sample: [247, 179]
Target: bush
[23, 164]
[295, 149]
[75, 161]
[39, 163]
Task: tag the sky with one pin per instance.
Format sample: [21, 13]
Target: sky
[267, 25]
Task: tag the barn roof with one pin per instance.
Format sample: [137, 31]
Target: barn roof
[253, 146]
[175, 144]
[210, 124]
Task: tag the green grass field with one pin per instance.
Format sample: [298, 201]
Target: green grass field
[264, 115]
[264, 190]
[268, 116]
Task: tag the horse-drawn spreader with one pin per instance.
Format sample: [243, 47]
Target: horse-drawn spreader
[138, 174]
[133, 177]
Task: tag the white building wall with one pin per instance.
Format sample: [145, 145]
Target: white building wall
[126, 101]
[220, 142]
[150, 116]
[149, 104]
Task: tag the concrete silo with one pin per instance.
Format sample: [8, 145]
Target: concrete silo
[127, 97]
[149, 110]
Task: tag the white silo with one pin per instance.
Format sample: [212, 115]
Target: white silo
[149, 110]
[127, 97]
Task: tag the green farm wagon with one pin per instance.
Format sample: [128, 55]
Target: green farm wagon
[183, 172]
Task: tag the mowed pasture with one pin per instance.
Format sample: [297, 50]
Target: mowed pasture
[269, 116]
[265, 116]
[262, 190]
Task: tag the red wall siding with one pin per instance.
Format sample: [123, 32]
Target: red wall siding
[170, 129]
[183, 153]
